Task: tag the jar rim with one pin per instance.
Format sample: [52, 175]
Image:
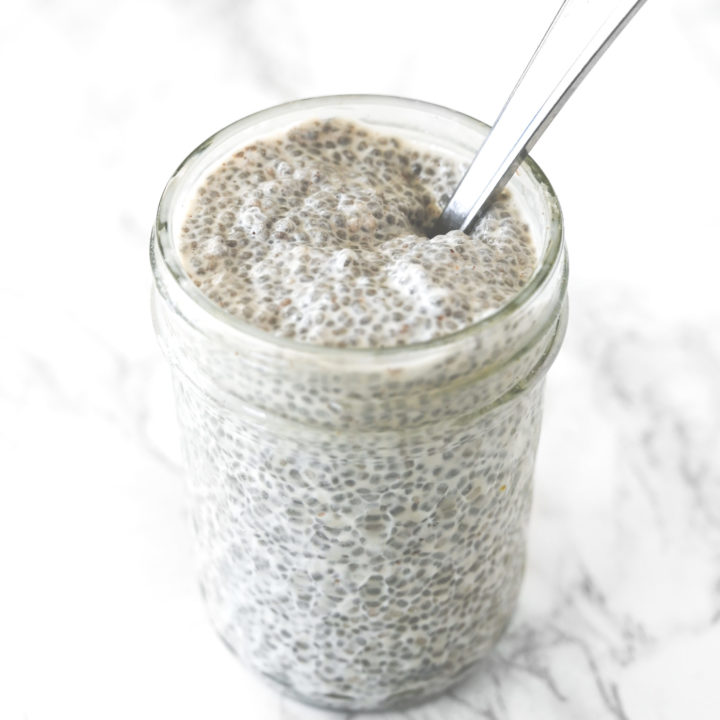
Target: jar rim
[167, 266]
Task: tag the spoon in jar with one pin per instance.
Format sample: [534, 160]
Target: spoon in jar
[577, 37]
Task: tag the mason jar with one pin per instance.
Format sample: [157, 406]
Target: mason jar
[360, 515]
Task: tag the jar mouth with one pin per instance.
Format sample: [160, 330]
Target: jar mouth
[170, 275]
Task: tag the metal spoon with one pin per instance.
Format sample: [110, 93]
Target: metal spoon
[578, 35]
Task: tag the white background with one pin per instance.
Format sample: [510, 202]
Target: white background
[100, 101]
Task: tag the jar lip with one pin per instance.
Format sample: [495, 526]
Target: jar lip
[167, 266]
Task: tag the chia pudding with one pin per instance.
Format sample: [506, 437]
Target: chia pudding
[319, 235]
[360, 400]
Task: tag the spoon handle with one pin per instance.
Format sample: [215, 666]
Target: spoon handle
[578, 35]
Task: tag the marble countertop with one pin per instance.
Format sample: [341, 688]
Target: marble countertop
[100, 617]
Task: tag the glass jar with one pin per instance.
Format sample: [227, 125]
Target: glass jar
[360, 515]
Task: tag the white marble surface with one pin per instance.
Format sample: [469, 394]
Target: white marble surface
[99, 613]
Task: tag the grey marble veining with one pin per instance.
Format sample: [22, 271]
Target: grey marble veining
[619, 616]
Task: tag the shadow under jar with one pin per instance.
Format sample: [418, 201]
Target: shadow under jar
[360, 514]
